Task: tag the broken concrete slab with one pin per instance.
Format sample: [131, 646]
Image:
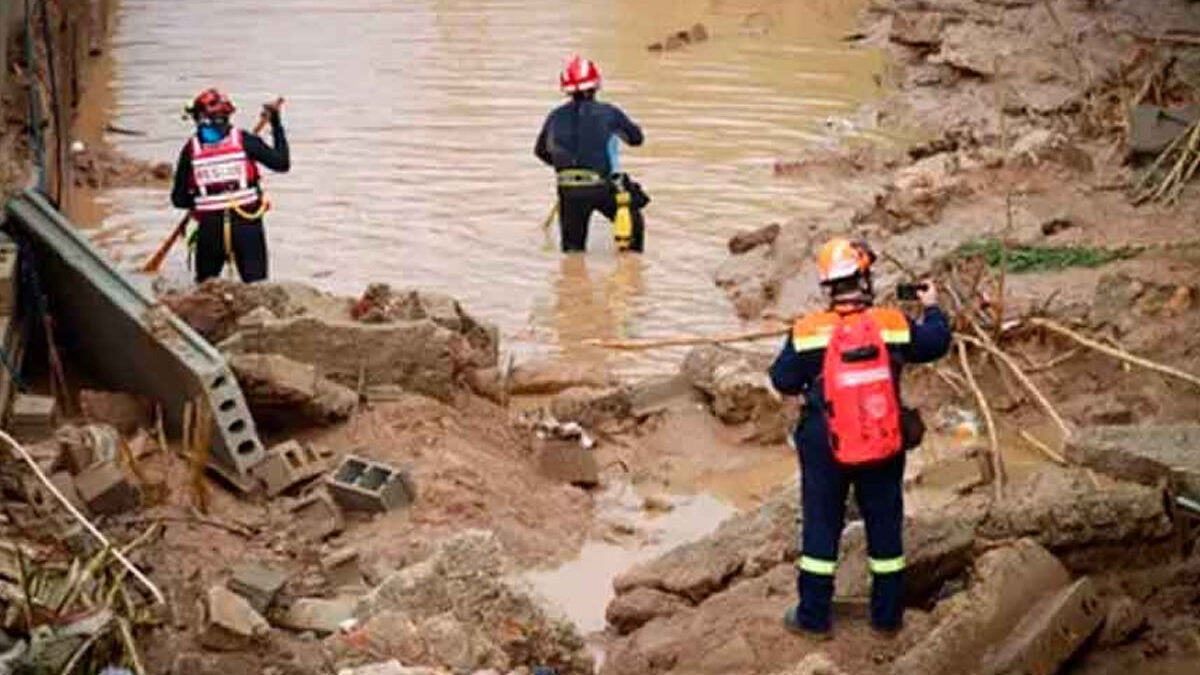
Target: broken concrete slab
[1050, 632]
[257, 583]
[1149, 455]
[937, 547]
[1152, 128]
[1065, 512]
[282, 392]
[125, 412]
[1007, 582]
[427, 350]
[287, 465]
[317, 517]
[567, 461]
[654, 394]
[231, 624]
[365, 485]
[319, 615]
[105, 490]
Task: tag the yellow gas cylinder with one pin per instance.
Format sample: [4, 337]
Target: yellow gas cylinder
[623, 222]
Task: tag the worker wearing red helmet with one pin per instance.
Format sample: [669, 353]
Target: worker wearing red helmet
[580, 139]
[217, 179]
[845, 362]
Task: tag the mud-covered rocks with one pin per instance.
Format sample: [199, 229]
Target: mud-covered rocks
[467, 615]
[539, 378]
[281, 391]
[752, 239]
[739, 391]
[630, 611]
[1042, 145]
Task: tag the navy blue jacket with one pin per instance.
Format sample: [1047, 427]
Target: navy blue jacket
[576, 135]
[797, 369]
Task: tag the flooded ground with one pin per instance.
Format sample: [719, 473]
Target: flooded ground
[412, 126]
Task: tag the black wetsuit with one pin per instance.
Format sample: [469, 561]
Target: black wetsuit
[248, 239]
[577, 136]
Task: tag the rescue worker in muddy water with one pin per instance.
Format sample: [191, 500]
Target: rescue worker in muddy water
[217, 179]
[845, 363]
[581, 140]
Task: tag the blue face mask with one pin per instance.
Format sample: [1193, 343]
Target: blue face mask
[211, 133]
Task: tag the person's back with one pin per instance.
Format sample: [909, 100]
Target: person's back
[580, 139]
[846, 364]
[579, 135]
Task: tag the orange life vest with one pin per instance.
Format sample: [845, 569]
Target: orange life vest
[863, 408]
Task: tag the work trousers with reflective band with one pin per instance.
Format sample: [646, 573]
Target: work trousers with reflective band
[879, 491]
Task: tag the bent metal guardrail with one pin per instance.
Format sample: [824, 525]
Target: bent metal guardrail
[121, 335]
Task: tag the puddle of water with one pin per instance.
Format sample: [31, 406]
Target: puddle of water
[412, 126]
[582, 588]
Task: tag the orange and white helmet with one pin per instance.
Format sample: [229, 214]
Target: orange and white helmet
[842, 258]
[579, 74]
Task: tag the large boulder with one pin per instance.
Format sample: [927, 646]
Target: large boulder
[467, 615]
[1148, 455]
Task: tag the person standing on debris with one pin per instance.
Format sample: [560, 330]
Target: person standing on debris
[581, 140]
[846, 362]
[217, 179]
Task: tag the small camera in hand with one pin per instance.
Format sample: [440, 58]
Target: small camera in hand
[910, 291]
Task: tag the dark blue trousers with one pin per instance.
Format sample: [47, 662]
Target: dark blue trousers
[880, 494]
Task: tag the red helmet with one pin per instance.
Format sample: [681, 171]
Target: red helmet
[211, 103]
[580, 74]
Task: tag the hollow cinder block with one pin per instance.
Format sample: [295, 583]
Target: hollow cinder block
[287, 465]
[365, 485]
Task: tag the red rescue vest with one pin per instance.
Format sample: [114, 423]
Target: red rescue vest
[860, 393]
[223, 175]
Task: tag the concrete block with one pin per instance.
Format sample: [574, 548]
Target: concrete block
[1050, 633]
[105, 490]
[319, 615]
[342, 568]
[32, 416]
[567, 461]
[317, 517]
[365, 485]
[258, 584]
[231, 624]
[287, 465]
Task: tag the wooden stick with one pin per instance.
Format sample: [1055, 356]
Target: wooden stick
[1054, 362]
[1045, 449]
[997, 463]
[1038, 396]
[639, 345]
[87, 524]
[1116, 353]
[240, 530]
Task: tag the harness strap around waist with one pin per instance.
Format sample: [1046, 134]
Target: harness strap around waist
[580, 178]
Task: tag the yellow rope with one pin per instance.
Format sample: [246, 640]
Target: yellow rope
[263, 205]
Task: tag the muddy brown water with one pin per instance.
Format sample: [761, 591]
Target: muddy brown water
[412, 125]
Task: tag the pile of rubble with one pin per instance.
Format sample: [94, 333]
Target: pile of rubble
[1020, 585]
[279, 579]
